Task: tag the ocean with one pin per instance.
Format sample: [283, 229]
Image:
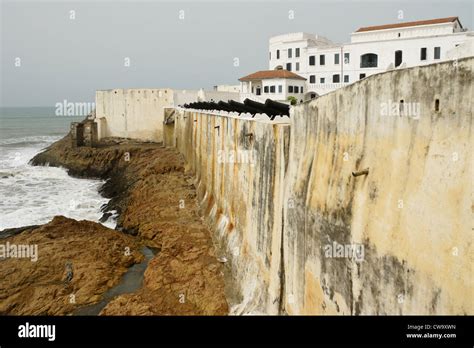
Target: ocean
[34, 195]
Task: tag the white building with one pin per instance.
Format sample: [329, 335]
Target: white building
[274, 84]
[327, 65]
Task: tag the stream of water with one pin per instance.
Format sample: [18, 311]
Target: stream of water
[131, 281]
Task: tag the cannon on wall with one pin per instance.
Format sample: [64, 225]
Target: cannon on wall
[271, 108]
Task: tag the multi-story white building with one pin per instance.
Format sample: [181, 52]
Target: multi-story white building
[326, 65]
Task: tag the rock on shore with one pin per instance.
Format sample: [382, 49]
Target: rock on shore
[76, 262]
[156, 202]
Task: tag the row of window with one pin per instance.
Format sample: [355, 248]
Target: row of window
[289, 53]
[297, 66]
[370, 60]
[271, 89]
[436, 53]
[336, 78]
[295, 89]
[322, 59]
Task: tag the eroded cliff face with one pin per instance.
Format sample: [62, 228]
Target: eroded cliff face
[405, 227]
[157, 207]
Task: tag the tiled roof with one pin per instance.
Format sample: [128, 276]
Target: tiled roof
[272, 74]
[408, 24]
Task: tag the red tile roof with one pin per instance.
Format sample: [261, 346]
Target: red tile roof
[408, 24]
[272, 74]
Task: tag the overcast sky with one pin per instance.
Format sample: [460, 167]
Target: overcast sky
[63, 58]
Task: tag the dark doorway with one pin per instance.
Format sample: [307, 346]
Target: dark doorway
[80, 134]
[398, 58]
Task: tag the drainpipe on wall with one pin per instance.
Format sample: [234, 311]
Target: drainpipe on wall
[342, 66]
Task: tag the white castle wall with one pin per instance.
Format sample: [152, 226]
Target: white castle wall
[138, 113]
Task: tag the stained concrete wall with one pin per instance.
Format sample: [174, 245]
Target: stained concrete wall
[132, 113]
[411, 213]
[239, 166]
[138, 113]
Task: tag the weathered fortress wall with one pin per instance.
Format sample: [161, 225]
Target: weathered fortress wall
[132, 113]
[239, 166]
[412, 212]
[138, 113]
[275, 217]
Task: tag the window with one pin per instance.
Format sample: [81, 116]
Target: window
[399, 34]
[280, 89]
[335, 78]
[398, 58]
[346, 58]
[301, 89]
[278, 54]
[288, 66]
[272, 89]
[346, 78]
[312, 60]
[361, 76]
[322, 59]
[297, 52]
[312, 78]
[265, 89]
[289, 53]
[259, 91]
[423, 53]
[290, 89]
[336, 58]
[270, 55]
[437, 52]
[297, 66]
[321, 80]
[368, 60]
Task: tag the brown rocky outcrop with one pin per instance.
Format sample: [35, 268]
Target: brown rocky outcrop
[76, 262]
[156, 202]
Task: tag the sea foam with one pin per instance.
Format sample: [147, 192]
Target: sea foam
[35, 194]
